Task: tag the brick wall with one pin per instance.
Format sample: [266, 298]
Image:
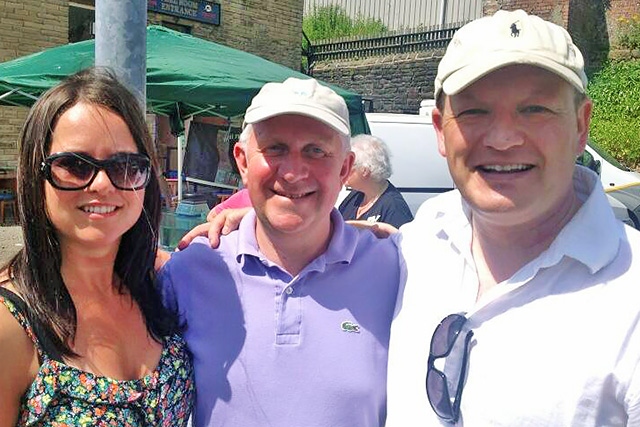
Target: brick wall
[593, 24]
[556, 11]
[26, 26]
[271, 29]
[623, 8]
[620, 9]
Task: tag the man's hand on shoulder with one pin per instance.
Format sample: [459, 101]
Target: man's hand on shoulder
[162, 257]
[382, 230]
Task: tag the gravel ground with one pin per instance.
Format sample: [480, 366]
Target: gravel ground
[10, 242]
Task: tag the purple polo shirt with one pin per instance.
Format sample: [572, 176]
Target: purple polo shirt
[274, 350]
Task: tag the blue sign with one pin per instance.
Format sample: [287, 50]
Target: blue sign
[196, 10]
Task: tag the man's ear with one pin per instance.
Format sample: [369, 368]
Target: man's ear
[240, 154]
[583, 118]
[347, 165]
[436, 119]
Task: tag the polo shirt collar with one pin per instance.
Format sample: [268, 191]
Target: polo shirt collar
[341, 247]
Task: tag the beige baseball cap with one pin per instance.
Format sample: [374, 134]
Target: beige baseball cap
[305, 97]
[508, 38]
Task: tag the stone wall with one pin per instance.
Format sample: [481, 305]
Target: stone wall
[26, 27]
[394, 83]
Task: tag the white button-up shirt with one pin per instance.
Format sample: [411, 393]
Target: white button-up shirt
[557, 344]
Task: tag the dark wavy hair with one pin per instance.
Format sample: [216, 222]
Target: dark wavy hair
[35, 270]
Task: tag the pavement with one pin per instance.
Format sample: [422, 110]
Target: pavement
[10, 242]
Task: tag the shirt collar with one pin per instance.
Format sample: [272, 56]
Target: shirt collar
[591, 237]
[341, 247]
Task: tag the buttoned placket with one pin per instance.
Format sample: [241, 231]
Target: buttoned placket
[289, 311]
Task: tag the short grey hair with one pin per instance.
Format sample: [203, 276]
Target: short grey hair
[246, 132]
[372, 154]
[244, 135]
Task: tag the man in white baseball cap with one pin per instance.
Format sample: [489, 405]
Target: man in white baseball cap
[289, 319]
[521, 305]
[300, 97]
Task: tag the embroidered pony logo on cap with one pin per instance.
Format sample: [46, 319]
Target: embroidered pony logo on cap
[515, 32]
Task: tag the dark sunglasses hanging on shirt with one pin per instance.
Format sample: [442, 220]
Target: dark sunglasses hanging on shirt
[442, 343]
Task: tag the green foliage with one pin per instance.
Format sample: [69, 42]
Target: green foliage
[330, 22]
[367, 27]
[615, 125]
[629, 32]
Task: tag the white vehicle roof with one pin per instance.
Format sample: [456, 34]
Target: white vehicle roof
[397, 118]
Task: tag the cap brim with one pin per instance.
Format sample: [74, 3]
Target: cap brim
[464, 77]
[259, 114]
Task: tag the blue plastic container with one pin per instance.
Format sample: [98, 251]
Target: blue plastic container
[174, 225]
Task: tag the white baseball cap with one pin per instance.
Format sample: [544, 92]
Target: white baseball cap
[508, 38]
[305, 97]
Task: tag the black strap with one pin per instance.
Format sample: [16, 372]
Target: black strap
[42, 337]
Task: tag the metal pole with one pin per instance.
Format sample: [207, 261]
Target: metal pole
[443, 12]
[121, 42]
[181, 145]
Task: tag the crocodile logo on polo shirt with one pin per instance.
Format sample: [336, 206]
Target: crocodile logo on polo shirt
[347, 326]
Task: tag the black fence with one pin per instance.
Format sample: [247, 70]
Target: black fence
[380, 45]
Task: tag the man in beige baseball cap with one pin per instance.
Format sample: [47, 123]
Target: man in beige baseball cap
[289, 318]
[508, 38]
[520, 307]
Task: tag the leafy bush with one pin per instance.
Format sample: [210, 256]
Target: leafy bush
[330, 22]
[629, 32]
[615, 125]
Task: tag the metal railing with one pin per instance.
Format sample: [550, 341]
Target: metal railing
[359, 47]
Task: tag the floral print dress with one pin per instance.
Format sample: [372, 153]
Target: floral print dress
[64, 396]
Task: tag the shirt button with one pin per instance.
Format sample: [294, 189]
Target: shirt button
[288, 290]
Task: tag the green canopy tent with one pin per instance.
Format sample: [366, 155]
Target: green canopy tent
[186, 76]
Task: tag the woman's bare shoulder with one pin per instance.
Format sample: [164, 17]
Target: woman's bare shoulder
[19, 362]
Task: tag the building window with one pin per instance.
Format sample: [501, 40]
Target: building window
[82, 18]
[177, 27]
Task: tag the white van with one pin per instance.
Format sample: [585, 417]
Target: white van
[420, 172]
[612, 173]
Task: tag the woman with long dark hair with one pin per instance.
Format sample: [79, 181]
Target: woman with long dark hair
[84, 338]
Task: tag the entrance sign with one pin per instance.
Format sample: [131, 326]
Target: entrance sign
[197, 10]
